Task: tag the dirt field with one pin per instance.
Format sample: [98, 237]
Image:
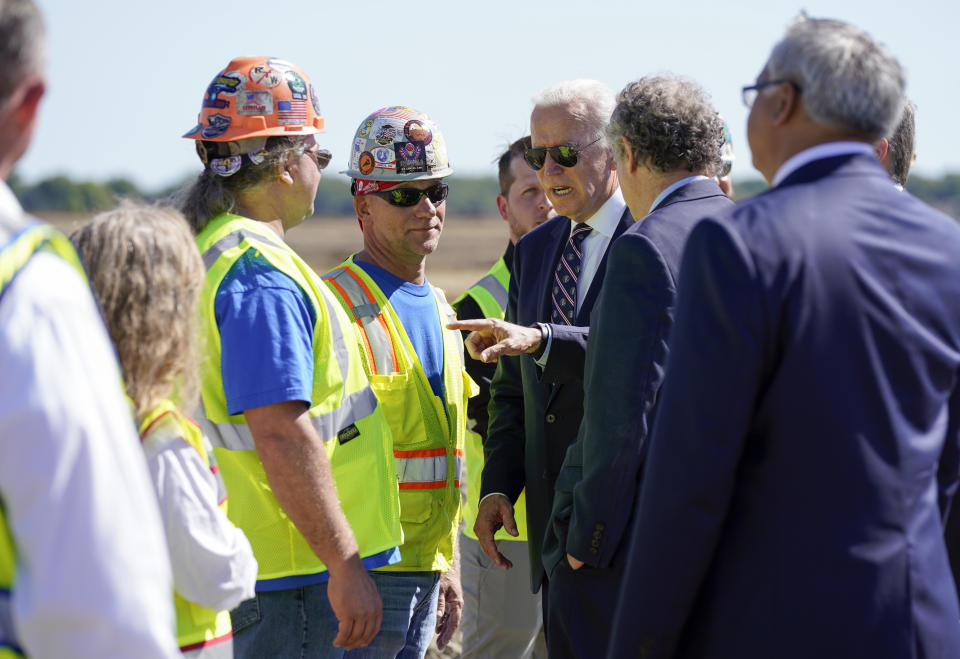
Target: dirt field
[468, 247]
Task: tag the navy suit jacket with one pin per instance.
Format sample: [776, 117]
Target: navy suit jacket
[532, 422]
[625, 362]
[806, 442]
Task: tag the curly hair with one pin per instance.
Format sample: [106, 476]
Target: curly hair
[146, 274]
[210, 194]
[669, 123]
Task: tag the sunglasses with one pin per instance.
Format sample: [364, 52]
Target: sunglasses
[564, 155]
[320, 156]
[406, 197]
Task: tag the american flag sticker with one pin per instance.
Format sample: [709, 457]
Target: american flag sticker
[292, 113]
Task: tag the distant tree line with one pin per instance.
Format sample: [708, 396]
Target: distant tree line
[469, 196]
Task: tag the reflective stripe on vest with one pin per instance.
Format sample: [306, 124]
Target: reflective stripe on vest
[381, 354]
[493, 286]
[426, 469]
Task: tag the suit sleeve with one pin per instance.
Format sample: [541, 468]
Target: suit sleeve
[568, 351]
[696, 446]
[947, 479]
[625, 367]
[503, 447]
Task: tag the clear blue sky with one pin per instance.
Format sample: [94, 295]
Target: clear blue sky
[126, 77]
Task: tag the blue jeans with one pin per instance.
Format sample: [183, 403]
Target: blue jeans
[299, 622]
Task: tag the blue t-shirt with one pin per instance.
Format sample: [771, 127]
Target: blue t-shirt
[266, 325]
[416, 307]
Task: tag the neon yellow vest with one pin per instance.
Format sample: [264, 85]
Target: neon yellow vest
[29, 240]
[427, 439]
[345, 414]
[197, 627]
[490, 293]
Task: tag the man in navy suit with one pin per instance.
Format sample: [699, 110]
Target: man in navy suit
[667, 142]
[805, 449]
[558, 271]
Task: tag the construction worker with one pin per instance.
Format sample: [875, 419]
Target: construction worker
[146, 274]
[415, 365]
[287, 405]
[84, 570]
[514, 629]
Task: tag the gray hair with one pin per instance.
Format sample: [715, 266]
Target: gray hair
[22, 44]
[901, 144]
[593, 101]
[211, 194]
[669, 123]
[846, 79]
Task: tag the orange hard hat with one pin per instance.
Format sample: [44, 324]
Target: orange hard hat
[258, 97]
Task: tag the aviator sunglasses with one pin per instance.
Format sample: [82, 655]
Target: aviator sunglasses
[564, 155]
[405, 197]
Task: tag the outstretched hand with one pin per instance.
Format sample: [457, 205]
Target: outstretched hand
[491, 338]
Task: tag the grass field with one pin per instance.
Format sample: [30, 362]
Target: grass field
[468, 246]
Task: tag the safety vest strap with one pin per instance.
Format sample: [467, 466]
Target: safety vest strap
[237, 436]
[30, 239]
[493, 286]
[234, 239]
[426, 469]
[379, 348]
[8, 635]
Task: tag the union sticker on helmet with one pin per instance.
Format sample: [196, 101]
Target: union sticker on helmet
[365, 163]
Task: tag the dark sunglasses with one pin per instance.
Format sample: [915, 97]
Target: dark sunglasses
[411, 196]
[564, 155]
[320, 156]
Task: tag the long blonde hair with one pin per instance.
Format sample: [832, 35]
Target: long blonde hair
[146, 273]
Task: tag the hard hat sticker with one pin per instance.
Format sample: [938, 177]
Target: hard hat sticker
[366, 163]
[416, 131]
[298, 88]
[385, 157]
[225, 83]
[292, 113]
[265, 76]
[218, 126]
[410, 157]
[365, 128]
[386, 134]
[315, 100]
[193, 131]
[226, 166]
[255, 103]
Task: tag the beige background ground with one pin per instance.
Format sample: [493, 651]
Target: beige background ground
[468, 246]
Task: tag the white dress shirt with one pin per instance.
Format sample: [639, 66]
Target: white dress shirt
[92, 574]
[604, 224]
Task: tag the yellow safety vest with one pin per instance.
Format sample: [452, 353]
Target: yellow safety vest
[490, 293]
[14, 255]
[427, 435]
[198, 628]
[345, 414]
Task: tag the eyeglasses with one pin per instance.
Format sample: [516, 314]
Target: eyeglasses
[405, 197]
[750, 92]
[564, 155]
[320, 156]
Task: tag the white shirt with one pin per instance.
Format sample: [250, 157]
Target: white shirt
[93, 575]
[604, 224]
[819, 152]
[213, 564]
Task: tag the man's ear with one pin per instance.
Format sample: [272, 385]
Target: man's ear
[502, 206]
[29, 104]
[882, 148]
[629, 159]
[284, 175]
[786, 103]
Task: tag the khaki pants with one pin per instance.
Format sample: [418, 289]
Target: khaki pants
[501, 617]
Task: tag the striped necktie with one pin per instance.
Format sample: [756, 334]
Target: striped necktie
[565, 278]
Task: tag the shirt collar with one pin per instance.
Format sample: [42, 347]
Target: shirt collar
[674, 186]
[607, 217]
[819, 152]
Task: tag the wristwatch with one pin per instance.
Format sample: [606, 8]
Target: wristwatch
[544, 335]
